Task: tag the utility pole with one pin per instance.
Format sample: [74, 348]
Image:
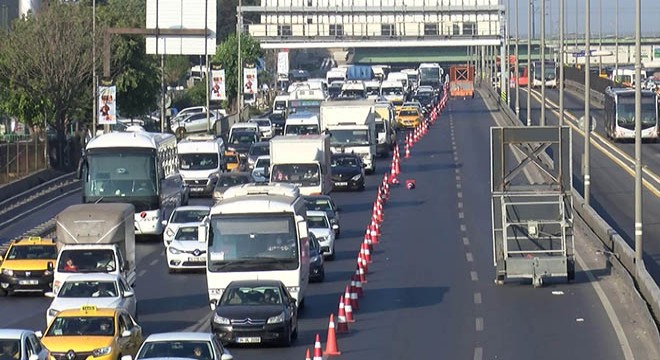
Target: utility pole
[600, 37]
[587, 104]
[638, 134]
[561, 62]
[208, 66]
[239, 64]
[616, 42]
[542, 119]
[517, 70]
[94, 82]
[529, 63]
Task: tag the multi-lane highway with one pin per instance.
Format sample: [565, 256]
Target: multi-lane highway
[612, 177]
[430, 291]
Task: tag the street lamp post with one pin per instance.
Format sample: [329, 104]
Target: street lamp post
[529, 63]
[616, 41]
[94, 83]
[561, 62]
[239, 64]
[587, 104]
[638, 134]
[517, 69]
[542, 119]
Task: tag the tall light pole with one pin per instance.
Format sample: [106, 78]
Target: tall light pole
[517, 70]
[587, 104]
[529, 62]
[600, 37]
[94, 83]
[239, 64]
[616, 41]
[542, 119]
[561, 62]
[638, 133]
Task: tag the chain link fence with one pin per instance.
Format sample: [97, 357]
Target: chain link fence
[20, 156]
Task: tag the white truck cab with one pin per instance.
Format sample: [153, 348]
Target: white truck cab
[201, 160]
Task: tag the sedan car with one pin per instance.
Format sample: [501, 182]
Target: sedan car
[265, 127]
[18, 344]
[260, 173]
[325, 203]
[256, 311]
[257, 149]
[186, 251]
[227, 180]
[182, 215]
[347, 172]
[99, 289]
[316, 262]
[240, 142]
[191, 345]
[319, 225]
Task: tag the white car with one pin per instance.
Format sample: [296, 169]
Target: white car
[182, 215]
[265, 127]
[23, 344]
[319, 225]
[99, 289]
[186, 251]
[181, 345]
[261, 167]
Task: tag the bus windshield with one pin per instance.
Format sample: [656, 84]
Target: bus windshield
[626, 112]
[349, 137]
[252, 242]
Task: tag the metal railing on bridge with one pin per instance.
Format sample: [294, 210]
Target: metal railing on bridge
[20, 156]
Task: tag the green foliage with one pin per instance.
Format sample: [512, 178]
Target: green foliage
[226, 57]
[175, 69]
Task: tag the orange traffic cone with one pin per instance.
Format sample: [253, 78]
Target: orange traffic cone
[307, 355]
[407, 151]
[367, 253]
[354, 297]
[331, 342]
[342, 323]
[318, 354]
[358, 286]
[347, 306]
[361, 274]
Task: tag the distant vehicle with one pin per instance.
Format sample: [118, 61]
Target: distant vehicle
[240, 142]
[201, 159]
[372, 89]
[228, 180]
[234, 162]
[316, 261]
[23, 345]
[393, 91]
[180, 216]
[409, 117]
[196, 122]
[256, 311]
[335, 74]
[181, 345]
[319, 225]
[425, 97]
[325, 203]
[265, 127]
[430, 74]
[302, 123]
[186, 251]
[260, 173]
[335, 89]
[101, 290]
[244, 127]
[550, 77]
[413, 76]
[27, 266]
[620, 114]
[257, 149]
[353, 89]
[347, 172]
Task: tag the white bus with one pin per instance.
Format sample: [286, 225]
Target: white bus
[620, 114]
[257, 232]
[139, 168]
[430, 74]
[550, 74]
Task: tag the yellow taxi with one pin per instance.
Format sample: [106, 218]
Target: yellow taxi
[409, 117]
[233, 161]
[28, 266]
[92, 333]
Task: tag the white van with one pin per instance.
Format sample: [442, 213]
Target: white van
[201, 160]
[280, 104]
[402, 77]
[244, 126]
[302, 124]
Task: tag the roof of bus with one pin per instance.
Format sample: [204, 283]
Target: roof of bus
[630, 91]
[254, 204]
[139, 139]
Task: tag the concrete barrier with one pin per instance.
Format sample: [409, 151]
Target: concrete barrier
[597, 97]
[30, 182]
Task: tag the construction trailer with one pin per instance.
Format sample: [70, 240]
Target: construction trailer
[461, 81]
[532, 211]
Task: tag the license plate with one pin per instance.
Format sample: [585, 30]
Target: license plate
[196, 259]
[248, 340]
[28, 282]
[197, 189]
[341, 183]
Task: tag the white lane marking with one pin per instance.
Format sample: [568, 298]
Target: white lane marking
[460, 204]
[469, 257]
[460, 194]
[477, 298]
[141, 273]
[466, 241]
[479, 324]
[459, 186]
[474, 276]
[478, 353]
[463, 227]
[458, 178]
[611, 314]
[153, 262]
[199, 324]
[457, 170]
[461, 215]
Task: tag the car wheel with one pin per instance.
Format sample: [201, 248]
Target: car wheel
[288, 339]
[3, 292]
[332, 257]
[294, 334]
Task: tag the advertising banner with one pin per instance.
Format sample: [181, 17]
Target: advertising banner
[218, 85]
[107, 105]
[283, 63]
[250, 85]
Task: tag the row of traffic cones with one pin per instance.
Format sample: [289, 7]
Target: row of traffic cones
[353, 292]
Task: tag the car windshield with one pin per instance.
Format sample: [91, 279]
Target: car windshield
[82, 326]
[232, 159]
[391, 91]
[259, 150]
[91, 260]
[317, 222]
[279, 105]
[10, 348]
[345, 161]
[243, 138]
[226, 181]
[187, 216]
[29, 252]
[261, 122]
[258, 295]
[301, 130]
[198, 161]
[88, 289]
[200, 350]
[186, 234]
[318, 205]
[408, 113]
[302, 174]
[262, 163]
[341, 137]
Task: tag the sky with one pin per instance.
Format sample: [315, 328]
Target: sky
[626, 17]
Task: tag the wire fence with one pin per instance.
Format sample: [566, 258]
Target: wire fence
[20, 156]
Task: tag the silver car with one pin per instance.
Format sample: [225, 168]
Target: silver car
[196, 122]
[181, 345]
[21, 345]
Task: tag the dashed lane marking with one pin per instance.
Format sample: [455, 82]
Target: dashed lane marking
[478, 353]
[477, 298]
[466, 241]
[479, 324]
[469, 257]
[474, 276]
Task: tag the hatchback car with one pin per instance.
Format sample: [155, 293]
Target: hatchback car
[191, 345]
[19, 344]
[240, 142]
[325, 203]
[182, 215]
[265, 127]
[25, 267]
[227, 180]
[260, 173]
[185, 251]
[347, 172]
[316, 262]
[257, 149]
[256, 311]
[318, 223]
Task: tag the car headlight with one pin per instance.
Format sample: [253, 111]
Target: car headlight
[231, 148]
[276, 319]
[174, 250]
[251, 161]
[48, 272]
[220, 320]
[53, 312]
[8, 272]
[169, 232]
[315, 258]
[356, 177]
[102, 351]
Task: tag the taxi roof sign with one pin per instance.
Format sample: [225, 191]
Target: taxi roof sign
[88, 308]
[34, 238]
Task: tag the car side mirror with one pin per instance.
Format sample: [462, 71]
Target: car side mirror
[164, 222]
[34, 357]
[322, 251]
[127, 357]
[50, 266]
[126, 333]
[225, 356]
[128, 294]
[38, 334]
[49, 294]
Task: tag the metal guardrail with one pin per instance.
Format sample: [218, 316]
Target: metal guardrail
[613, 242]
[596, 97]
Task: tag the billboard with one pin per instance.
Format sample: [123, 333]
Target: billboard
[218, 85]
[283, 63]
[107, 105]
[182, 14]
[250, 85]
